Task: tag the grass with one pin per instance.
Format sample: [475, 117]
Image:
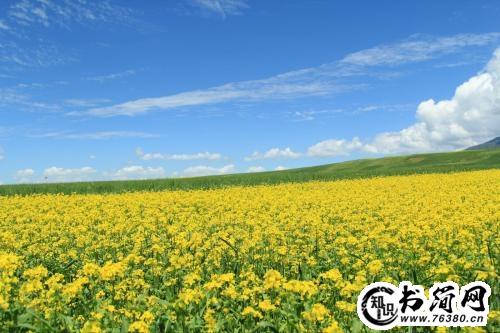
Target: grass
[399, 165]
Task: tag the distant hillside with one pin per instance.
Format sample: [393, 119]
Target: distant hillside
[400, 165]
[492, 144]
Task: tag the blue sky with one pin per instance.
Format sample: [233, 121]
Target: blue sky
[129, 89]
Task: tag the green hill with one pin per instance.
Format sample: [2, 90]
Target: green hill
[399, 165]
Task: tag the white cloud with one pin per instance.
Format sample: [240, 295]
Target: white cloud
[334, 147]
[418, 49]
[41, 53]
[322, 80]
[256, 169]
[24, 175]
[56, 175]
[62, 13]
[92, 102]
[3, 25]
[221, 7]
[177, 157]
[96, 135]
[136, 172]
[280, 168]
[470, 117]
[273, 88]
[203, 170]
[113, 76]
[273, 153]
[308, 115]
[24, 18]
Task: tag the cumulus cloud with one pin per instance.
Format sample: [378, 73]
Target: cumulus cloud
[469, 117]
[334, 147]
[60, 175]
[177, 157]
[257, 168]
[203, 170]
[24, 175]
[273, 153]
[280, 168]
[136, 172]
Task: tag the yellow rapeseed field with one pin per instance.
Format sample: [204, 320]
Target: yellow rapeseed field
[288, 258]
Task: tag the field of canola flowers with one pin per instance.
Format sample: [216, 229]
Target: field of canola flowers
[288, 258]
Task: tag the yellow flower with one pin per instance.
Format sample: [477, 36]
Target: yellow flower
[156, 258]
[36, 273]
[333, 328]
[345, 306]
[374, 267]
[111, 271]
[91, 327]
[72, 289]
[249, 311]
[272, 279]
[147, 317]
[474, 330]
[266, 305]
[9, 263]
[138, 327]
[210, 321]
[333, 275]
[318, 312]
[304, 288]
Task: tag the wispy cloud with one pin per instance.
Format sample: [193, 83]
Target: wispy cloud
[177, 157]
[41, 53]
[64, 12]
[417, 48]
[323, 80]
[95, 135]
[13, 96]
[273, 153]
[3, 25]
[23, 43]
[222, 8]
[86, 103]
[308, 115]
[259, 90]
[113, 76]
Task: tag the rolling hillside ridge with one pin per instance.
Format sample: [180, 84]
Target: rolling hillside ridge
[399, 165]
